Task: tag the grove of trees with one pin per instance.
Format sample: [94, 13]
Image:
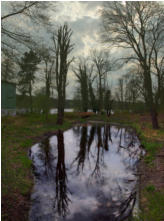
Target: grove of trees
[137, 28]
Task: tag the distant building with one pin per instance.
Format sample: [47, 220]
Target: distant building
[8, 98]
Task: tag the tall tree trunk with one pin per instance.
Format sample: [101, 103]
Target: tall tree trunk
[150, 101]
[30, 93]
[47, 99]
[60, 114]
[100, 95]
[61, 102]
[92, 98]
[158, 98]
[154, 117]
[84, 94]
[62, 49]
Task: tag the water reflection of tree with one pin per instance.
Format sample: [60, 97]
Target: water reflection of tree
[103, 137]
[107, 137]
[82, 151]
[53, 170]
[91, 137]
[127, 142]
[100, 153]
[102, 134]
[46, 149]
[128, 136]
[62, 198]
[117, 210]
[127, 206]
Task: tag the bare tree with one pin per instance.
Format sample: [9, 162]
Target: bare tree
[48, 62]
[14, 36]
[158, 69]
[85, 78]
[100, 60]
[82, 78]
[130, 88]
[93, 99]
[136, 26]
[134, 85]
[19, 8]
[62, 49]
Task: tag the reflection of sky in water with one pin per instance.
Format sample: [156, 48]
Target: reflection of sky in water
[99, 174]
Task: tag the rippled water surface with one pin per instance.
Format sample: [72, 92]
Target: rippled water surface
[86, 173]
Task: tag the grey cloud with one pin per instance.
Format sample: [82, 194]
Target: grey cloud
[86, 26]
[83, 18]
[92, 5]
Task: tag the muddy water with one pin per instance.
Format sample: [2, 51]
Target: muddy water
[86, 173]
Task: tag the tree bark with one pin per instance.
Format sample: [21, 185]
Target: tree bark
[47, 98]
[60, 114]
[150, 100]
[30, 93]
[100, 95]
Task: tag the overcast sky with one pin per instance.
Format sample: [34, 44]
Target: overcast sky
[84, 19]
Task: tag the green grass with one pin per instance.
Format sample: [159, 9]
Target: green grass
[154, 208]
[150, 188]
[151, 146]
[152, 149]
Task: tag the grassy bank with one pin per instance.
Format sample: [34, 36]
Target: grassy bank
[20, 132]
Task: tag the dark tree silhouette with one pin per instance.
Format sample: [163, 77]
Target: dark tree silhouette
[26, 76]
[48, 60]
[62, 48]
[82, 75]
[81, 156]
[108, 102]
[91, 137]
[137, 26]
[101, 62]
[62, 198]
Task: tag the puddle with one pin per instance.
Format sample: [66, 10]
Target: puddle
[86, 173]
